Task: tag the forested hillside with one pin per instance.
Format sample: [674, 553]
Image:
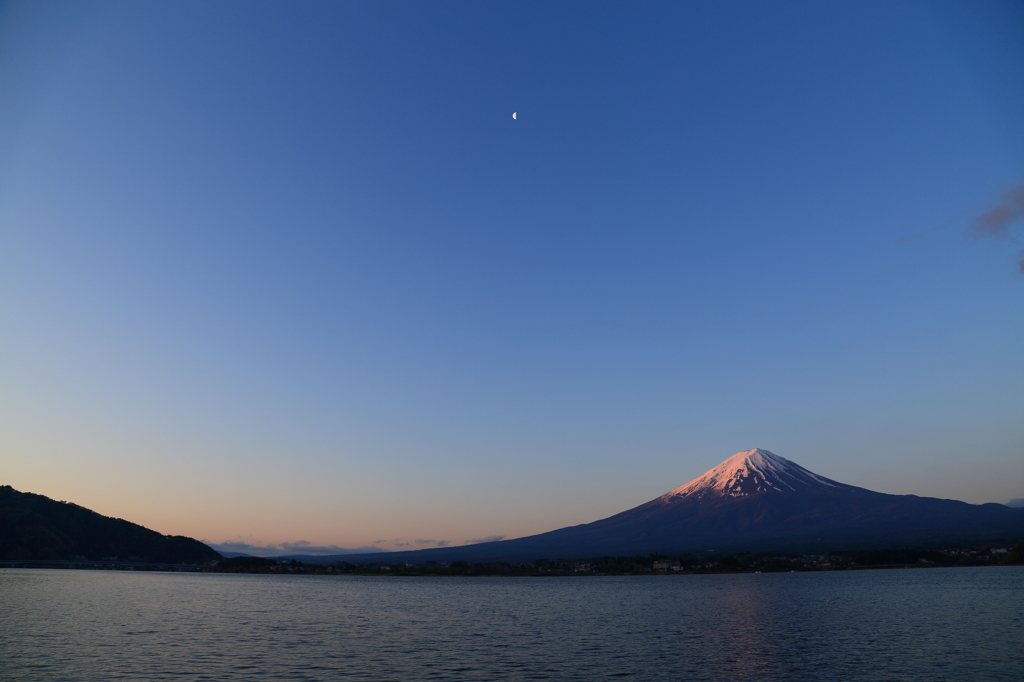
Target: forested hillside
[36, 527]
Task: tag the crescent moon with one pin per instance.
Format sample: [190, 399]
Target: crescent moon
[513, 115]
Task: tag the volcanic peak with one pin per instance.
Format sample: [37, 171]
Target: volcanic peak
[747, 473]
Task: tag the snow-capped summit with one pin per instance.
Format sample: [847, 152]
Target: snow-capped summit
[749, 472]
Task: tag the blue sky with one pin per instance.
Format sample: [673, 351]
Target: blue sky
[285, 272]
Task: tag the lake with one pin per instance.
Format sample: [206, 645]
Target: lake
[924, 624]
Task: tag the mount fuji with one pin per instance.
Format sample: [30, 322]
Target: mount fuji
[757, 501]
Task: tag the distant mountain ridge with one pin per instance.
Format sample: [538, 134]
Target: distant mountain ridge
[753, 501]
[757, 501]
[234, 549]
[34, 527]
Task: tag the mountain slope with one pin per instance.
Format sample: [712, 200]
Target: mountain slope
[36, 527]
[758, 500]
[754, 500]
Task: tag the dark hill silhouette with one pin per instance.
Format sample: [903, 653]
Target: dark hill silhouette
[36, 527]
[753, 501]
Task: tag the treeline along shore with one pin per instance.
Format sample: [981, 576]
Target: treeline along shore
[685, 564]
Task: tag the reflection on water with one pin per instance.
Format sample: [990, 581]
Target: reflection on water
[937, 624]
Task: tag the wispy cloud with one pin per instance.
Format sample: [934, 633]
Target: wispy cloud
[435, 543]
[395, 543]
[995, 222]
[489, 538]
[402, 543]
[284, 548]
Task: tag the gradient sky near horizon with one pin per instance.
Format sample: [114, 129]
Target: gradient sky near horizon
[290, 272]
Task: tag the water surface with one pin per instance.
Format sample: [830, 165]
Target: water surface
[930, 624]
